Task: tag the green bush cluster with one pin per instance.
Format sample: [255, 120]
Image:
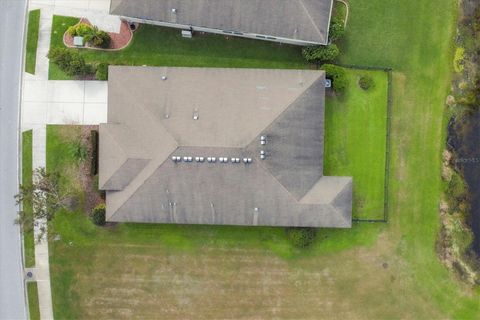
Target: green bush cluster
[301, 237]
[69, 61]
[98, 215]
[337, 75]
[337, 29]
[102, 71]
[91, 35]
[366, 82]
[321, 53]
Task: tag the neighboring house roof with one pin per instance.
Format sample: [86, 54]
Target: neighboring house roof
[151, 118]
[305, 20]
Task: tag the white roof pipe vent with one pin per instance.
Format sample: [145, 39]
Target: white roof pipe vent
[174, 10]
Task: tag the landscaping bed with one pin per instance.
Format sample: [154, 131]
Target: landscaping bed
[118, 40]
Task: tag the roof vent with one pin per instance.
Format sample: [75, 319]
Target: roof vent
[174, 10]
[245, 160]
[197, 159]
[249, 160]
[262, 152]
[233, 160]
[202, 159]
[185, 159]
[214, 159]
[190, 159]
[174, 158]
[263, 138]
[262, 156]
[164, 78]
[209, 159]
[195, 114]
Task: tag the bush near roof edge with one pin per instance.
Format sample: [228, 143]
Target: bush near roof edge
[337, 75]
[94, 159]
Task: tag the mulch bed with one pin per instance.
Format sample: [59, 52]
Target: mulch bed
[119, 40]
[92, 196]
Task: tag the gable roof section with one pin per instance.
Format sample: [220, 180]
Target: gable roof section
[305, 20]
[235, 107]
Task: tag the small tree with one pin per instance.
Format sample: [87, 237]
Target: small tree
[44, 194]
[69, 61]
[98, 215]
[321, 53]
[366, 82]
[337, 29]
[337, 75]
[301, 237]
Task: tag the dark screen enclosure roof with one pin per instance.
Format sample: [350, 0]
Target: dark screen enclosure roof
[303, 20]
[219, 146]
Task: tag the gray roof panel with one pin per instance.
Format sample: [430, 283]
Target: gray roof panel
[305, 20]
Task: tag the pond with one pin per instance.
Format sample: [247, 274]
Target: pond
[464, 138]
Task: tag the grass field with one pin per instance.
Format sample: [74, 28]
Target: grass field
[355, 141]
[157, 46]
[32, 40]
[28, 238]
[373, 271]
[33, 307]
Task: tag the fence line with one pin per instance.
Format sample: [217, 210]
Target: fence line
[386, 186]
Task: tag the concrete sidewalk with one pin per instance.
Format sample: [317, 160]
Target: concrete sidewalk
[64, 102]
[59, 102]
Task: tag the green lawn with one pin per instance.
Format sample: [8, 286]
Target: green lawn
[33, 307]
[28, 238]
[156, 46]
[355, 140]
[373, 271]
[32, 40]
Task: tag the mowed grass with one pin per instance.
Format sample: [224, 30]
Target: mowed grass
[33, 306]
[355, 141]
[28, 237]
[373, 271]
[156, 46]
[32, 40]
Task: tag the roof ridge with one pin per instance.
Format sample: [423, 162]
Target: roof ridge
[274, 121]
[302, 4]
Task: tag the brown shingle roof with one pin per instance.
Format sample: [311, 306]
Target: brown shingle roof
[305, 20]
[150, 120]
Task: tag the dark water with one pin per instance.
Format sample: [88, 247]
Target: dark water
[464, 139]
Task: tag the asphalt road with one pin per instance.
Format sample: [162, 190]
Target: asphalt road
[12, 293]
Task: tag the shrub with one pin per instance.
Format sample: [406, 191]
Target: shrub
[101, 39]
[337, 29]
[69, 61]
[94, 160]
[77, 150]
[102, 71]
[366, 82]
[91, 35]
[337, 75]
[72, 31]
[98, 215]
[321, 53]
[301, 237]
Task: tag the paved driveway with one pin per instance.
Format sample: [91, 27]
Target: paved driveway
[12, 293]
